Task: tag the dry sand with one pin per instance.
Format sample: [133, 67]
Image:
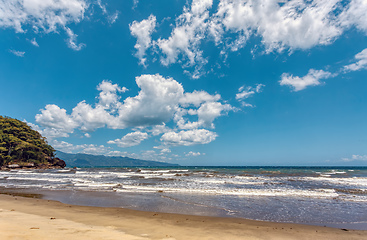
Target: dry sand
[32, 218]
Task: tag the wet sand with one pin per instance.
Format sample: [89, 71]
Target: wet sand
[34, 218]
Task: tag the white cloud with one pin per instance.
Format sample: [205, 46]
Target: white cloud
[72, 40]
[108, 94]
[45, 15]
[159, 101]
[361, 62]
[116, 154]
[49, 133]
[55, 117]
[87, 135]
[292, 24]
[188, 138]
[194, 154]
[281, 25]
[34, 42]
[186, 37]
[356, 158]
[312, 78]
[209, 111]
[355, 15]
[143, 31]
[130, 139]
[247, 92]
[112, 18]
[17, 53]
[198, 97]
[89, 118]
[84, 148]
[94, 149]
[135, 3]
[165, 150]
[155, 104]
[65, 146]
[159, 129]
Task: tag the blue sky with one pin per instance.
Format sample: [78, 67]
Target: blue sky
[191, 82]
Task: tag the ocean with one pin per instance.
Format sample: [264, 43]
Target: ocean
[326, 196]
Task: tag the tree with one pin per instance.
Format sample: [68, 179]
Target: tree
[20, 144]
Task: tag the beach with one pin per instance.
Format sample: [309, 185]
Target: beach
[34, 218]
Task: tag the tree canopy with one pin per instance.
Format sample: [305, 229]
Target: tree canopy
[19, 144]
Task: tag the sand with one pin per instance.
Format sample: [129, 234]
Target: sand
[32, 218]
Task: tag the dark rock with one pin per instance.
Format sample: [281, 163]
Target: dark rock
[59, 163]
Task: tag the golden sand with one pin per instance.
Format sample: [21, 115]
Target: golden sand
[31, 218]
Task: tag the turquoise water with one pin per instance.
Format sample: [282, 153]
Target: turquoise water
[333, 196]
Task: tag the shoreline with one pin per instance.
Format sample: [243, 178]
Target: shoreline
[96, 222]
[55, 196]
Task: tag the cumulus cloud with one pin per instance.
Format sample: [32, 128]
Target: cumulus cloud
[155, 104]
[208, 109]
[291, 24]
[184, 40]
[45, 15]
[17, 53]
[312, 78]
[108, 94]
[48, 132]
[48, 16]
[186, 36]
[130, 139]
[89, 118]
[355, 15]
[281, 25]
[143, 31]
[55, 117]
[160, 101]
[198, 97]
[361, 63]
[188, 138]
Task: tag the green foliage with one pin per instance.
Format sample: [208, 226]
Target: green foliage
[20, 144]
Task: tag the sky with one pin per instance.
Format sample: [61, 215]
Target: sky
[202, 82]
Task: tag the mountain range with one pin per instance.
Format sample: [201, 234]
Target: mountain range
[87, 160]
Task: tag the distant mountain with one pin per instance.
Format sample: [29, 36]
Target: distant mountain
[87, 160]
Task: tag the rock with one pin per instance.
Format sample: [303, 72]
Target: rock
[13, 166]
[59, 163]
[29, 165]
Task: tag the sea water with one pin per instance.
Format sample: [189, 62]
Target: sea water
[310, 195]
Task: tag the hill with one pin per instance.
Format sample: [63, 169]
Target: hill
[21, 146]
[87, 160]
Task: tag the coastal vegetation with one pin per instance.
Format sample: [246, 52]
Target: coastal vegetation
[21, 146]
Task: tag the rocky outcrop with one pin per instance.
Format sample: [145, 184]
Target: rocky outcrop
[52, 163]
[57, 162]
